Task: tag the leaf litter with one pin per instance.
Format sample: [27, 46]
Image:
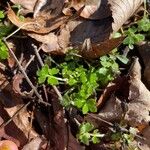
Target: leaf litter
[55, 27]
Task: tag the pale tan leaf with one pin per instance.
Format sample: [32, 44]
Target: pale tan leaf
[27, 5]
[122, 10]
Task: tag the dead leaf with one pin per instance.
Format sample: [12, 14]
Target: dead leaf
[110, 112]
[74, 32]
[35, 144]
[96, 9]
[103, 48]
[139, 105]
[135, 69]
[144, 50]
[39, 25]
[22, 120]
[17, 85]
[122, 10]
[144, 144]
[53, 43]
[11, 131]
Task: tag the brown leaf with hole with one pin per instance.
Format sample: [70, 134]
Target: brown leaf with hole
[17, 85]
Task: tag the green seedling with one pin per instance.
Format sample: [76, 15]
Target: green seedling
[88, 134]
[125, 137]
[4, 30]
[3, 51]
[136, 33]
[82, 79]
[49, 75]
[133, 37]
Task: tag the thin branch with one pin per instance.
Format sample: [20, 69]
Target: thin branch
[40, 99]
[112, 125]
[14, 115]
[42, 64]
[29, 23]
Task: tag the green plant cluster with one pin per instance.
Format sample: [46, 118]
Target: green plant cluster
[88, 133]
[81, 78]
[125, 138]
[3, 48]
[136, 33]
[4, 30]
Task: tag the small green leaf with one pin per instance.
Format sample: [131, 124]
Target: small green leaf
[85, 138]
[52, 80]
[144, 24]
[86, 127]
[92, 105]
[85, 108]
[116, 35]
[103, 71]
[41, 79]
[72, 81]
[79, 103]
[139, 38]
[43, 71]
[2, 15]
[131, 46]
[53, 71]
[95, 140]
[116, 136]
[3, 51]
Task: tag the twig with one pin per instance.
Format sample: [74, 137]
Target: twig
[40, 99]
[112, 125]
[29, 23]
[14, 115]
[98, 118]
[42, 64]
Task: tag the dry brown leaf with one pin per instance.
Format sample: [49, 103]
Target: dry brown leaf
[35, 144]
[95, 9]
[144, 144]
[122, 10]
[12, 103]
[22, 121]
[11, 131]
[139, 105]
[112, 111]
[17, 85]
[53, 43]
[103, 48]
[39, 25]
[74, 32]
[144, 51]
